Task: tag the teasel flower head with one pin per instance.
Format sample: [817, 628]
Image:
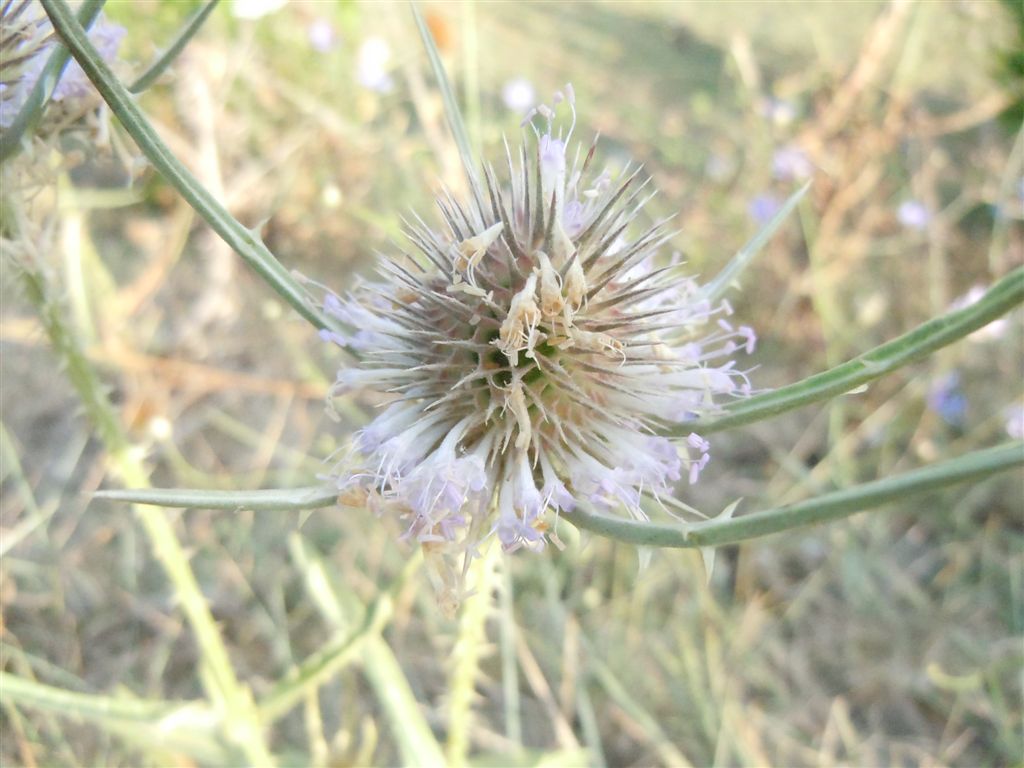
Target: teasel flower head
[529, 354]
[26, 41]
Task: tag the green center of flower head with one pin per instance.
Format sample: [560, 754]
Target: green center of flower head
[530, 352]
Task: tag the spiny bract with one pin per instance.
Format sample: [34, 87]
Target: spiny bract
[531, 351]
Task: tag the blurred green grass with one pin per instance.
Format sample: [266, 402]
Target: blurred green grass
[883, 640]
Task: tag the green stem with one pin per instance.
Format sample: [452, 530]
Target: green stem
[277, 499]
[165, 59]
[729, 275]
[86, 705]
[228, 694]
[413, 735]
[451, 105]
[162, 727]
[325, 663]
[830, 506]
[28, 116]
[918, 343]
[245, 242]
[466, 655]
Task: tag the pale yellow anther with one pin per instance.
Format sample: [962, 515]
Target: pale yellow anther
[595, 341]
[664, 352]
[354, 496]
[470, 251]
[516, 402]
[469, 290]
[519, 329]
[406, 296]
[561, 244]
[575, 288]
[551, 301]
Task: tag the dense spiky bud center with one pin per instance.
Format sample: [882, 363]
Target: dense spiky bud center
[531, 351]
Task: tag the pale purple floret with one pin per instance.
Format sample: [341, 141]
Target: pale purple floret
[762, 208]
[947, 399]
[790, 163]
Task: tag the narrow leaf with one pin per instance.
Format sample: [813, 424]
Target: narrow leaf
[451, 105]
[283, 499]
[830, 506]
[122, 104]
[716, 289]
[884, 359]
[324, 664]
[165, 59]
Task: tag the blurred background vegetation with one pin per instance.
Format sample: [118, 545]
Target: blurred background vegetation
[890, 638]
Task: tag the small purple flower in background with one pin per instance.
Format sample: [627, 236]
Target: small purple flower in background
[790, 163]
[321, 36]
[915, 215]
[518, 94]
[763, 207]
[255, 9]
[946, 399]
[372, 65]
[1014, 423]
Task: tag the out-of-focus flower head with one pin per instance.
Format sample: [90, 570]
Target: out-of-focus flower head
[947, 400]
[255, 9]
[26, 40]
[518, 94]
[530, 351]
[1014, 423]
[372, 65]
[913, 214]
[763, 207]
[790, 163]
[779, 111]
[322, 36]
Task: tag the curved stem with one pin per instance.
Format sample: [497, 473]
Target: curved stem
[245, 242]
[920, 342]
[830, 506]
[165, 59]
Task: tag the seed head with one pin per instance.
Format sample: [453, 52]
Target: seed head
[530, 352]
